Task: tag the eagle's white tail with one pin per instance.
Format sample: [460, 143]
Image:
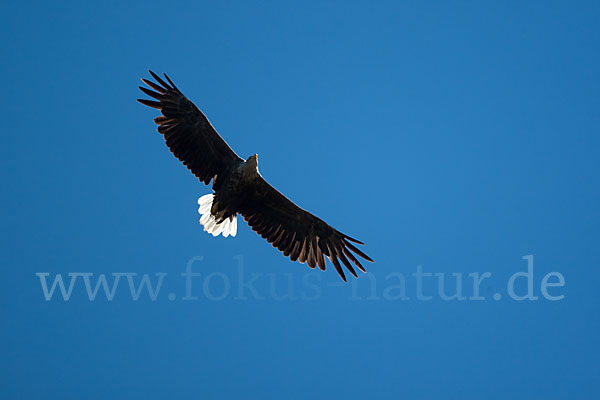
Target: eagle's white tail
[227, 227]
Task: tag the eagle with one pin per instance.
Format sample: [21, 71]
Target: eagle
[238, 187]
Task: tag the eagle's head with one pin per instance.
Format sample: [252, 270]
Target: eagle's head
[250, 167]
[253, 161]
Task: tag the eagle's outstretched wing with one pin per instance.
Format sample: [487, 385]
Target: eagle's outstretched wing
[296, 232]
[189, 135]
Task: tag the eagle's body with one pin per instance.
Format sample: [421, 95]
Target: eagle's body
[218, 210]
[240, 189]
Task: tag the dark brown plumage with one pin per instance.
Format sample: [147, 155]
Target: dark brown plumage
[240, 189]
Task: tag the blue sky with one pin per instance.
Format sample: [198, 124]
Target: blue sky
[455, 136]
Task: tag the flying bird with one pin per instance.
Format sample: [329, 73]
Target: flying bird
[238, 187]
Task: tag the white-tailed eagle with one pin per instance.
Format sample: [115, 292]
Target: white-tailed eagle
[240, 189]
